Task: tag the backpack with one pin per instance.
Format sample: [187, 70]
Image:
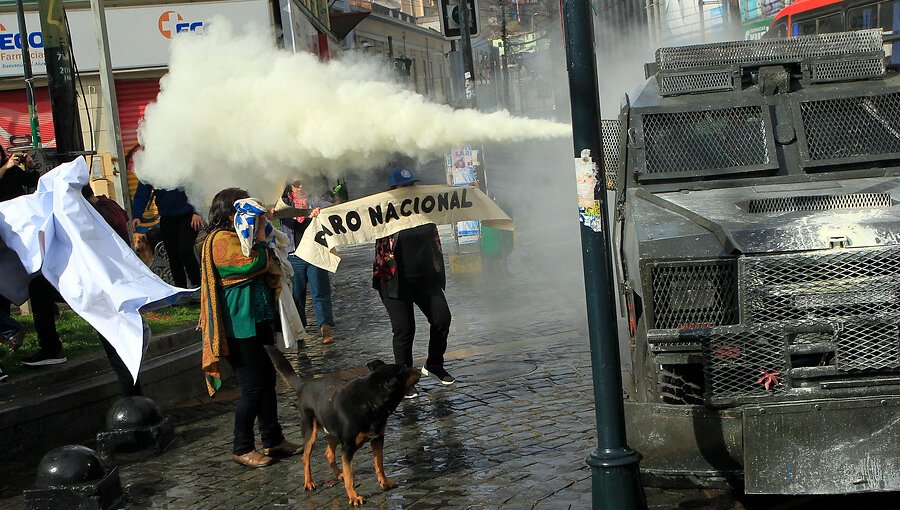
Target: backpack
[114, 215]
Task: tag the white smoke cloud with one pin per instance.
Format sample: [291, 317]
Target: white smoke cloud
[236, 111]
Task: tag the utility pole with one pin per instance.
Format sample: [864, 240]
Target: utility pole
[29, 78]
[111, 105]
[734, 18]
[702, 21]
[503, 59]
[468, 65]
[615, 477]
[61, 80]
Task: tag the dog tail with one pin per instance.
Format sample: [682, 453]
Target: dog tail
[283, 367]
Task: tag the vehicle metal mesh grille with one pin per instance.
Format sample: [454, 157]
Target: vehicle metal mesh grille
[740, 363]
[694, 296]
[696, 82]
[852, 127]
[832, 285]
[681, 384]
[769, 51]
[820, 202]
[867, 345]
[839, 70]
[611, 146]
[705, 140]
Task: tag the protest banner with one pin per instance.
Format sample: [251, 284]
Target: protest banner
[384, 214]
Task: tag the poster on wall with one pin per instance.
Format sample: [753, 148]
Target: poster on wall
[462, 163]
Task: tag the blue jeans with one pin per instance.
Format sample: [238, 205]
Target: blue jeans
[319, 286]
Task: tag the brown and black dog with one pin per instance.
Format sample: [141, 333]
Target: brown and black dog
[350, 414]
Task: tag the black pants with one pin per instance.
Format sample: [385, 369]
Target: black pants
[127, 386]
[256, 377]
[178, 237]
[430, 299]
[43, 298]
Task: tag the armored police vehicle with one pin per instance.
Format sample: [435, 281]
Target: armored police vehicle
[756, 240]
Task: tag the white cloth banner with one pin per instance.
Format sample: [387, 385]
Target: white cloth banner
[55, 230]
[387, 213]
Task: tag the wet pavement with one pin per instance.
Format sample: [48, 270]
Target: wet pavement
[512, 433]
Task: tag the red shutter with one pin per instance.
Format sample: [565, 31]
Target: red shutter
[14, 116]
[133, 96]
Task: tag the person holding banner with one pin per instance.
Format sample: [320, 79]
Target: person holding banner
[305, 273]
[409, 269]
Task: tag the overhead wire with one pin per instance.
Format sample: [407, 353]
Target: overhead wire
[87, 109]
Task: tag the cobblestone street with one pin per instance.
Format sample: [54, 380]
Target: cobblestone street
[513, 432]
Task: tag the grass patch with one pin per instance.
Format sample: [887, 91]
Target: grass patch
[79, 338]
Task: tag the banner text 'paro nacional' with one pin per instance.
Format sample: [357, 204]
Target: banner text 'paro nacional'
[384, 214]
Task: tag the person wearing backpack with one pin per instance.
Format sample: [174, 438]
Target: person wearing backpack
[179, 224]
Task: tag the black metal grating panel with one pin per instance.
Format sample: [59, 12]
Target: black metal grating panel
[820, 203]
[611, 148]
[833, 285]
[711, 140]
[740, 364]
[853, 127]
[673, 84]
[694, 296]
[769, 51]
[840, 70]
[867, 345]
[681, 384]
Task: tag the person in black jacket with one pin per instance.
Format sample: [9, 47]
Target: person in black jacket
[18, 176]
[179, 223]
[409, 270]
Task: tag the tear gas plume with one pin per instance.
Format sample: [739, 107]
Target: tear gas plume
[235, 110]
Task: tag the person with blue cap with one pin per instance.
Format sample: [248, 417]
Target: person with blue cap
[409, 270]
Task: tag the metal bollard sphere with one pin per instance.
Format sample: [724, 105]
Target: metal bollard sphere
[131, 413]
[69, 465]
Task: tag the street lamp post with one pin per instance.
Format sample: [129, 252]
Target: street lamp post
[615, 478]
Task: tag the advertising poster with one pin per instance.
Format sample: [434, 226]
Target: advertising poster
[585, 183]
[462, 163]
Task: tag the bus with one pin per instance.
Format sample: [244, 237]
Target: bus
[808, 17]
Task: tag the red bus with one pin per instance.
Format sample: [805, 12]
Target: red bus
[807, 17]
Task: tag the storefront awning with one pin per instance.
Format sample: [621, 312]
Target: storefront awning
[344, 22]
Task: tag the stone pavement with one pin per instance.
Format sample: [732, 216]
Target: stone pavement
[512, 433]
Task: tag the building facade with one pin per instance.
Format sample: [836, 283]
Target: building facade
[139, 39]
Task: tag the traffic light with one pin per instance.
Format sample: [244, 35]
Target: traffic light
[451, 18]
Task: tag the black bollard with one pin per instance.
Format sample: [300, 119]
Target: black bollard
[74, 477]
[134, 424]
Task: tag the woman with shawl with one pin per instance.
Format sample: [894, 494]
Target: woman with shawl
[240, 278]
